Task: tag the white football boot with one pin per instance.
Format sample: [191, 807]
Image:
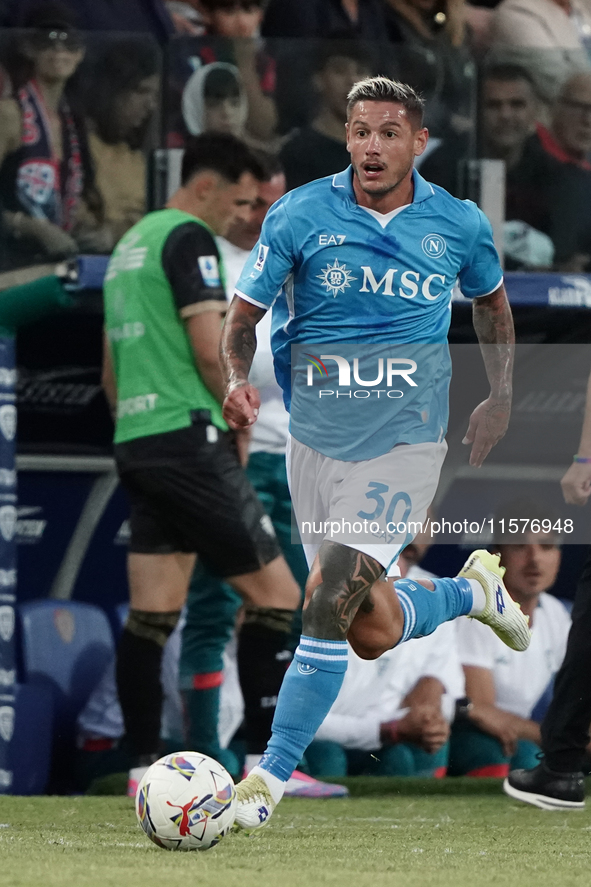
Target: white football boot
[501, 613]
[255, 803]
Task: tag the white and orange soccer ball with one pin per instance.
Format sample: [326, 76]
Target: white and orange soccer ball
[186, 801]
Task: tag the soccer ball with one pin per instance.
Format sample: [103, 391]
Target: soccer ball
[186, 801]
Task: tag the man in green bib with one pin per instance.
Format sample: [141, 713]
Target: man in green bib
[177, 460]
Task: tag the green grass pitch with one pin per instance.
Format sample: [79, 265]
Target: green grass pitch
[396, 833]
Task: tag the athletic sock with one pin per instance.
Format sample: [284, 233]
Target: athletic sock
[262, 661]
[201, 710]
[310, 687]
[425, 610]
[478, 598]
[140, 691]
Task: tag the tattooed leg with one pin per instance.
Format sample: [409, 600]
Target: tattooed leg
[346, 599]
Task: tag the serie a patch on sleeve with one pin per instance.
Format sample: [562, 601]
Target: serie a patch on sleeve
[210, 272]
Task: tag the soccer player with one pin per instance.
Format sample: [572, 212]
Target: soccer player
[369, 256]
[164, 303]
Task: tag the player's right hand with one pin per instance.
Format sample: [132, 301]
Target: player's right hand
[576, 483]
[241, 406]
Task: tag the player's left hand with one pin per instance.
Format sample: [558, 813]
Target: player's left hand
[488, 424]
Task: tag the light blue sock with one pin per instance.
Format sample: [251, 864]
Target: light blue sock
[425, 610]
[309, 688]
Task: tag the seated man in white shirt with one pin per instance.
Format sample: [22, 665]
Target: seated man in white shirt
[496, 732]
[391, 717]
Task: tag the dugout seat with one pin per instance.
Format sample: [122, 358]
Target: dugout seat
[66, 647]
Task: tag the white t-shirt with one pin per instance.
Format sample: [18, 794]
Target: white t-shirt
[271, 430]
[520, 678]
[373, 691]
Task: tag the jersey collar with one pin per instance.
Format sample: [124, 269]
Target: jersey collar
[342, 184]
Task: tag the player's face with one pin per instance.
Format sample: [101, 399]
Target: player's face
[246, 233]
[231, 202]
[532, 566]
[383, 144]
[509, 111]
[572, 117]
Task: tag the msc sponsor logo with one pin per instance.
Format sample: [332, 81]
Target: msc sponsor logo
[410, 284]
[336, 278]
[434, 246]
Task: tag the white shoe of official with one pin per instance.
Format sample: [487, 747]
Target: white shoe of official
[501, 613]
[255, 803]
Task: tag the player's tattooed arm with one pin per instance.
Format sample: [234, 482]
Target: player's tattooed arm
[237, 347]
[339, 584]
[493, 323]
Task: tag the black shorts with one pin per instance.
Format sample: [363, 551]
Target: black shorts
[188, 493]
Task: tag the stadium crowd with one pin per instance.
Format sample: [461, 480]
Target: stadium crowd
[97, 98]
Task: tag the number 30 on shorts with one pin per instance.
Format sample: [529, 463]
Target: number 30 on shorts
[377, 491]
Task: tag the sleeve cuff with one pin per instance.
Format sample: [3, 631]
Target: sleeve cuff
[251, 300]
[490, 292]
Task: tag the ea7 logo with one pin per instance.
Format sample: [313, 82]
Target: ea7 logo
[331, 239]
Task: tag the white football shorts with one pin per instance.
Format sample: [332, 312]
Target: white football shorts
[376, 506]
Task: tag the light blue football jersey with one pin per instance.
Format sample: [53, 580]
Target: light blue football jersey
[335, 276]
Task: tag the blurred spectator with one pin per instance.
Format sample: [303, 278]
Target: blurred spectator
[436, 59]
[325, 18]
[551, 38]
[496, 731]
[320, 149]
[236, 25]
[567, 145]
[121, 100]
[138, 16]
[214, 100]
[509, 107]
[43, 151]
[568, 139]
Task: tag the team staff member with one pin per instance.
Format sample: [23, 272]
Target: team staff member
[164, 303]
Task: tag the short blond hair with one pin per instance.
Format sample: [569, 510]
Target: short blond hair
[382, 89]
